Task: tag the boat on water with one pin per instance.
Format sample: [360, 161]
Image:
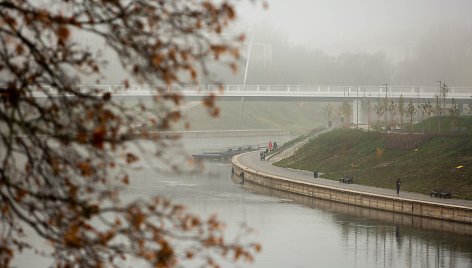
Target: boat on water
[226, 154]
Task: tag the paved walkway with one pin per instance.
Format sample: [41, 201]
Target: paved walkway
[294, 148]
[251, 160]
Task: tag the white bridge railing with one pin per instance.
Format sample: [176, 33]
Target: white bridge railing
[269, 90]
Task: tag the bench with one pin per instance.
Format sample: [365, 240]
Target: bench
[347, 179]
[441, 193]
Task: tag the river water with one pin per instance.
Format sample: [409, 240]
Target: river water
[301, 232]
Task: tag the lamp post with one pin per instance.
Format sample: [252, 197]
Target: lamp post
[357, 108]
[440, 106]
[418, 104]
[349, 118]
[386, 106]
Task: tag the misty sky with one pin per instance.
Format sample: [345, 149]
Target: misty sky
[414, 42]
[348, 25]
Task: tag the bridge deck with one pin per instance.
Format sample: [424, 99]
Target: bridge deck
[273, 91]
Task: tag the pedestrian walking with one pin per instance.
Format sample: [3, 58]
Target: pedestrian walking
[398, 183]
[270, 146]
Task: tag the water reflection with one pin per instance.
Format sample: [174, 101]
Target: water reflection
[297, 231]
[377, 238]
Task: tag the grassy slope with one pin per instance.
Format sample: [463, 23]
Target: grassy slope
[298, 117]
[432, 164]
[431, 125]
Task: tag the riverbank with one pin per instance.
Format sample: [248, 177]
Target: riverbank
[297, 117]
[423, 162]
[250, 169]
[363, 214]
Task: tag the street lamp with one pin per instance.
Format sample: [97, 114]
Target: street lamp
[418, 104]
[386, 106]
[439, 100]
[357, 108]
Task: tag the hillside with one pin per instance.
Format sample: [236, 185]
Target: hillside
[423, 162]
[432, 124]
[298, 117]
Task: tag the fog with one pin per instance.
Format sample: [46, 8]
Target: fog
[361, 42]
[346, 42]
[338, 26]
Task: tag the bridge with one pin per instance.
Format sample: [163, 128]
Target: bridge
[317, 93]
[276, 92]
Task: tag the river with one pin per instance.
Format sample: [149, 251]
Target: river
[302, 232]
[296, 231]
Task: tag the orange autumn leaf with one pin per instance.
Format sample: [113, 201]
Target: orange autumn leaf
[106, 96]
[189, 254]
[209, 101]
[218, 50]
[229, 11]
[131, 158]
[71, 237]
[63, 33]
[19, 49]
[138, 218]
[233, 67]
[98, 136]
[104, 238]
[157, 60]
[125, 179]
[174, 116]
[85, 169]
[258, 247]
[215, 112]
[20, 194]
[193, 73]
[82, 137]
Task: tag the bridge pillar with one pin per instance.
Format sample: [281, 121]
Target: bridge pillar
[356, 112]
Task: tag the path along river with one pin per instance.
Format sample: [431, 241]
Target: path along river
[301, 232]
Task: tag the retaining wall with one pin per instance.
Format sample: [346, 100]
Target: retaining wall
[363, 199]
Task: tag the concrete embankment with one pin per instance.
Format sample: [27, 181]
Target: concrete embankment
[421, 208]
[364, 213]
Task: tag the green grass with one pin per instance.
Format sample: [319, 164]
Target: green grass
[429, 165]
[292, 142]
[432, 124]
